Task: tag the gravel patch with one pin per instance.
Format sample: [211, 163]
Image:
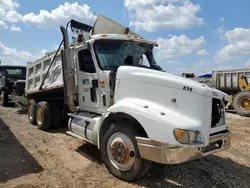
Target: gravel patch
[33, 158]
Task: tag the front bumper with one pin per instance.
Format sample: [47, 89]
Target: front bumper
[171, 154]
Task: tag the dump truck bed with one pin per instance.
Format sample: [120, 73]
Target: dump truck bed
[36, 71]
[228, 80]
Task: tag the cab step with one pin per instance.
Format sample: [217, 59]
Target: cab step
[80, 116]
[79, 137]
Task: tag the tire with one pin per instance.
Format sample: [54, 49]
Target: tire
[3, 99]
[32, 112]
[139, 166]
[43, 116]
[242, 103]
[56, 115]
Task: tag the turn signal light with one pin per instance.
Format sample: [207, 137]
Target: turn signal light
[102, 82]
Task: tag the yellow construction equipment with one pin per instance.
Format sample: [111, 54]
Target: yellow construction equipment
[236, 83]
[241, 101]
[243, 83]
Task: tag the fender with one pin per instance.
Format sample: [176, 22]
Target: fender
[154, 118]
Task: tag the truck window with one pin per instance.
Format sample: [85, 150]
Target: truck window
[113, 53]
[86, 63]
[13, 71]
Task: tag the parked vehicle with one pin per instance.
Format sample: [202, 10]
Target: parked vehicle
[205, 79]
[12, 82]
[118, 98]
[236, 83]
[189, 75]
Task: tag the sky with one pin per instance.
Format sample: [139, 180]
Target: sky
[193, 35]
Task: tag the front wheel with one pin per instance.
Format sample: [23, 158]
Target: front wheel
[121, 155]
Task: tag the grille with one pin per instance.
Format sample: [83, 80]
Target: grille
[217, 113]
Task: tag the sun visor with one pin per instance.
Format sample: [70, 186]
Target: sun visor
[81, 26]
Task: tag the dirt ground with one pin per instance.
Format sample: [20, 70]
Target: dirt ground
[33, 158]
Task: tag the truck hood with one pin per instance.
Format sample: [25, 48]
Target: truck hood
[176, 101]
[168, 80]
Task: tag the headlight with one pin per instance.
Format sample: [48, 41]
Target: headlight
[188, 136]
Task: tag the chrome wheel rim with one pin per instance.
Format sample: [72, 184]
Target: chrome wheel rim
[39, 115]
[245, 103]
[121, 151]
[29, 112]
[1, 97]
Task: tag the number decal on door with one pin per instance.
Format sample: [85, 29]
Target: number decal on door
[187, 88]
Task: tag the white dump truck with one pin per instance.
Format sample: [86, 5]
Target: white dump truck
[118, 98]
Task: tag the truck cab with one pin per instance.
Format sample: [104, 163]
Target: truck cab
[9, 76]
[119, 99]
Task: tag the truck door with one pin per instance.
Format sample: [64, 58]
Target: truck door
[88, 87]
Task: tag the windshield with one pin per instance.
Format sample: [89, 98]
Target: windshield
[13, 71]
[113, 53]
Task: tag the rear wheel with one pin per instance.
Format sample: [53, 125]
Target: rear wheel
[32, 112]
[121, 155]
[43, 116]
[242, 103]
[3, 98]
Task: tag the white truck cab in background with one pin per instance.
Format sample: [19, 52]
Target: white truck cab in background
[132, 110]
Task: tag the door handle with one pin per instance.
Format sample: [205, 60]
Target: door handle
[95, 83]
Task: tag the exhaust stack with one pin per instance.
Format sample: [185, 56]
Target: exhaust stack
[68, 73]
